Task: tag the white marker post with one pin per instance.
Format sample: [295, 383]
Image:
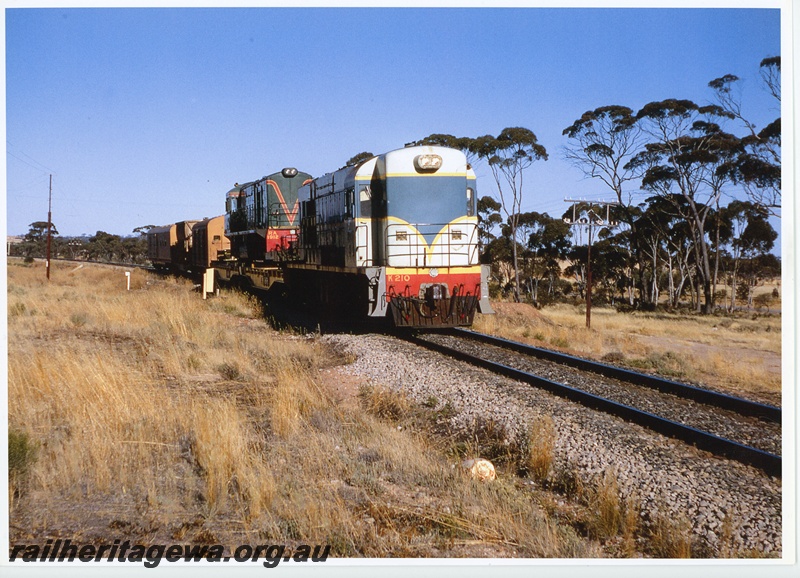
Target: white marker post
[128, 275]
[208, 283]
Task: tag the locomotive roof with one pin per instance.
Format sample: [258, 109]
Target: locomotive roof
[206, 222]
[237, 189]
[453, 161]
[162, 229]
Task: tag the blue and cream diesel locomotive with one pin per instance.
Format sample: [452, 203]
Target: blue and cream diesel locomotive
[396, 234]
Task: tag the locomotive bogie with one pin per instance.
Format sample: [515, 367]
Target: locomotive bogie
[335, 294]
[248, 276]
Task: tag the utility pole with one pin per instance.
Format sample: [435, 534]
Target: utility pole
[49, 225]
[587, 217]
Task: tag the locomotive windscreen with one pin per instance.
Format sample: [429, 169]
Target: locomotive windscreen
[426, 199]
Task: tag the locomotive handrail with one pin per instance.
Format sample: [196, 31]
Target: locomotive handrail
[419, 247]
[277, 217]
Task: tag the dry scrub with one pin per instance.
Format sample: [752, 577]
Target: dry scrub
[154, 416]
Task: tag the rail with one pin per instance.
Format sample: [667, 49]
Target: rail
[705, 396]
[770, 463]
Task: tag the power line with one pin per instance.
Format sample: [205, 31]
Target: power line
[39, 180]
[41, 167]
[44, 171]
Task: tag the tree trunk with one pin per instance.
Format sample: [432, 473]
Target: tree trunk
[655, 273]
[716, 254]
[516, 264]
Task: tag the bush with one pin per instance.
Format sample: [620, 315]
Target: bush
[16, 310]
[21, 453]
[763, 300]
[230, 371]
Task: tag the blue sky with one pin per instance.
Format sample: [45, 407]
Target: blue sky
[148, 116]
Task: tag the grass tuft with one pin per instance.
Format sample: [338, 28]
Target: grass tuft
[22, 453]
[604, 502]
[541, 443]
[229, 371]
[670, 537]
[384, 403]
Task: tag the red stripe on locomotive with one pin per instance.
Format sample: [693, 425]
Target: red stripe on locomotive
[406, 284]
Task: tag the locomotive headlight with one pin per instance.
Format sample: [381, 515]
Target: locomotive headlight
[289, 172]
[428, 163]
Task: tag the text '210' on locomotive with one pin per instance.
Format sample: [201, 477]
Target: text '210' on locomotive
[394, 236]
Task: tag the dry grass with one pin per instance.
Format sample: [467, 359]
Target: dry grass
[111, 399]
[157, 416]
[740, 354]
[670, 537]
[606, 506]
[541, 443]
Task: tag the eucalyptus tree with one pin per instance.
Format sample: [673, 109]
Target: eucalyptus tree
[668, 235]
[771, 75]
[755, 270]
[602, 142]
[722, 154]
[359, 158]
[548, 242]
[750, 235]
[610, 265]
[686, 146]
[499, 253]
[758, 166]
[105, 247]
[488, 218]
[35, 240]
[508, 155]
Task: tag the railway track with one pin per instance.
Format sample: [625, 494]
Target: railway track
[91, 262]
[725, 426]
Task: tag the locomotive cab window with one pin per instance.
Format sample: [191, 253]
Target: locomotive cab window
[365, 201]
[350, 202]
[470, 202]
